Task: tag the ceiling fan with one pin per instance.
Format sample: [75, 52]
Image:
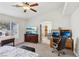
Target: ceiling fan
[26, 6]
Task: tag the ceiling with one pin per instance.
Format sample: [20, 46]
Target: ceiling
[8, 9]
[44, 7]
[70, 8]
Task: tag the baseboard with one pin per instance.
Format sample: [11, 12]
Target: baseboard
[75, 54]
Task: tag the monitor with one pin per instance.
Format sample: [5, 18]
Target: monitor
[66, 34]
[55, 34]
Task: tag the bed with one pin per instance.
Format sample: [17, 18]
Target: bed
[9, 51]
[6, 40]
[5, 37]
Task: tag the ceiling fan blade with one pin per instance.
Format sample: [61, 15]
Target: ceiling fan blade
[17, 6]
[33, 10]
[32, 5]
[27, 3]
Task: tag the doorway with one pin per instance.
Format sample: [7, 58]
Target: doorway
[45, 32]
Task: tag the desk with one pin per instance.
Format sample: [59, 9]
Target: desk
[68, 44]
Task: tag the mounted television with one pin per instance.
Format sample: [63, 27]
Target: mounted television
[56, 34]
[31, 30]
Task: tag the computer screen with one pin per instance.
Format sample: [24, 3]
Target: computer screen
[56, 34]
[66, 34]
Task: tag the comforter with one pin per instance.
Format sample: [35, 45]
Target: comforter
[9, 51]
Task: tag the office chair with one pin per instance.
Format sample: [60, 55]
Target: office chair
[57, 45]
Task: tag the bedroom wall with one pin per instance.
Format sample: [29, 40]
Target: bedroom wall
[75, 29]
[20, 22]
[57, 19]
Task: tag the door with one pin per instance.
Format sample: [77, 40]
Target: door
[46, 30]
[40, 33]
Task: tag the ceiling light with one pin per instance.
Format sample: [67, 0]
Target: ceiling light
[26, 7]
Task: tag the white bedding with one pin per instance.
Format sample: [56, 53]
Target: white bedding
[9, 51]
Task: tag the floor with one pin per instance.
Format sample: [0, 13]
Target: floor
[44, 50]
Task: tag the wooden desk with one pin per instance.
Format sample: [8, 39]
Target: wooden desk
[68, 44]
[53, 39]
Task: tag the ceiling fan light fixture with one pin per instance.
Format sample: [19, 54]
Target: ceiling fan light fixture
[26, 7]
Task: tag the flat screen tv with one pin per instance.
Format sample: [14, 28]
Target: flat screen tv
[31, 30]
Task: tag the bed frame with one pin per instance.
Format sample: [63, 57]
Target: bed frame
[4, 42]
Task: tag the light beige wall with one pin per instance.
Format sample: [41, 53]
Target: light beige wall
[20, 22]
[75, 30]
[56, 18]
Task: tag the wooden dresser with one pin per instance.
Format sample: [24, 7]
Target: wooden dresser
[31, 38]
[68, 44]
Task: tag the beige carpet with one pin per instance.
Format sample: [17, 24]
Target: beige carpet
[44, 50]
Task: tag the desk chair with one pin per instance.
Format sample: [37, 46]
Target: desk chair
[61, 38]
[57, 45]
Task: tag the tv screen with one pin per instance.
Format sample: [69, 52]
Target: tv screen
[31, 30]
[55, 34]
[66, 34]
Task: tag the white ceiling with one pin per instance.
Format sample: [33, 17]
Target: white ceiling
[70, 8]
[44, 7]
[8, 9]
